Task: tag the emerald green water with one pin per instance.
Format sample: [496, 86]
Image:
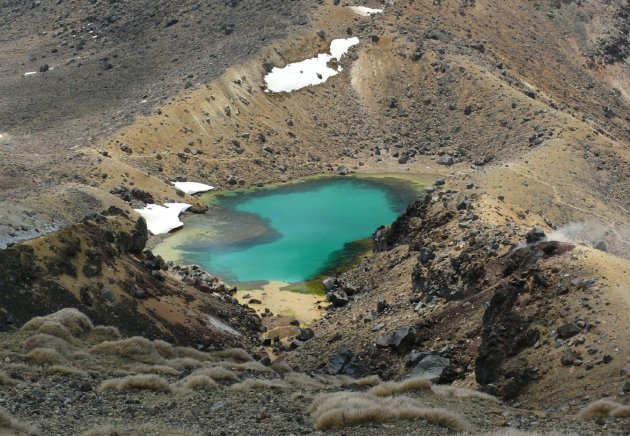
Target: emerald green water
[291, 233]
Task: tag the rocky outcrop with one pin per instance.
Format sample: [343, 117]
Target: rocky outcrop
[100, 267]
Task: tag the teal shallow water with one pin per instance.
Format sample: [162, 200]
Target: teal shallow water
[290, 233]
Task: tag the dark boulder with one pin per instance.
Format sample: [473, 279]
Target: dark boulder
[431, 367]
[401, 340]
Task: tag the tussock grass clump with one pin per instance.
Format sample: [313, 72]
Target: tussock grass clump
[345, 380]
[66, 370]
[102, 333]
[150, 382]
[515, 432]
[134, 348]
[5, 380]
[217, 373]
[603, 408]
[281, 367]
[251, 384]
[55, 328]
[193, 354]
[345, 409]
[387, 389]
[164, 349]
[8, 422]
[74, 321]
[183, 363]
[236, 354]
[41, 340]
[196, 382]
[299, 379]
[44, 356]
[450, 391]
[247, 366]
[154, 369]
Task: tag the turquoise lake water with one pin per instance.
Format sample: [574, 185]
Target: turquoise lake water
[290, 233]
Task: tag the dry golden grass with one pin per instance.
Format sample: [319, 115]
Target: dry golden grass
[345, 409]
[344, 380]
[251, 384]
[8, 422]
[247, 366]
[55, 328]
[74, 321]
[217, 373]
[134, 348]
[193, 354]
[387, 389]
[44, 356]
[196, 382]
[164, 349]
[603, 408]
[154, 369]
[6, 380]
[450, 391]
[183, 363]
[65, 370]
[281, 367]
[151, 382]
[236, 354]
[303, 380]
[47, 341]
[102, 333]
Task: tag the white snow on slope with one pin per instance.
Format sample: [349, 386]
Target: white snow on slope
[163, 219]
[192, 187]
[364, 11]
[308, 72]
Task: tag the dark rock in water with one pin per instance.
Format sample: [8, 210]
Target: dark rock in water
[342, 171]
[305, 335]
[535, 235]
[568, 330]
[402, 340]
[431, 367]
[446, 160]
[338, 298]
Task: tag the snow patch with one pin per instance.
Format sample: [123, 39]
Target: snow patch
[308, 72]
[192, 187]
[163, 219]
[364, 11]
[220, 325]
[30, 73]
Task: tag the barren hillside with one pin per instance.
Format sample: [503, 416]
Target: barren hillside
[509, 279]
